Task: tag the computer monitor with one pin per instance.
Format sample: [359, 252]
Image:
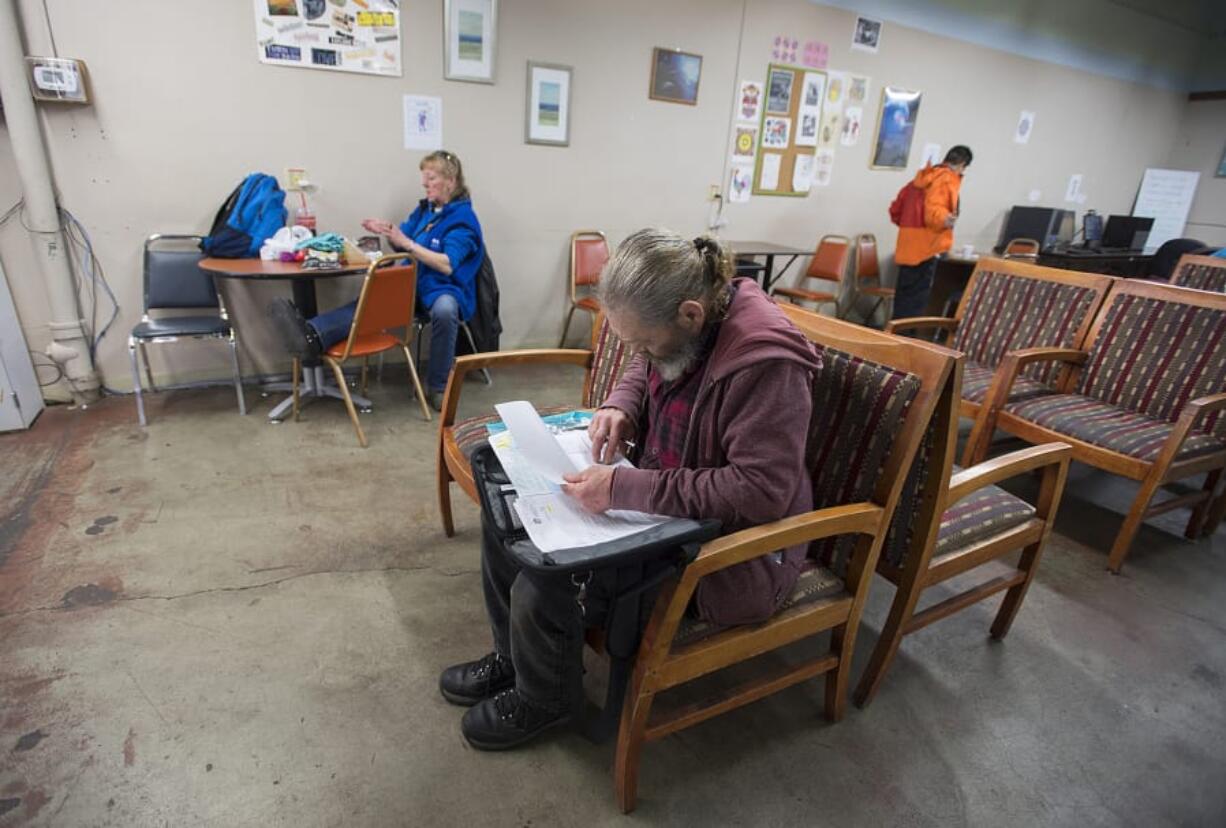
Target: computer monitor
[1048, 226]
[1127, 232]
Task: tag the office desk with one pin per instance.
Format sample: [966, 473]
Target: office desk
[1127, 264]
[303, 285]
[768, 250]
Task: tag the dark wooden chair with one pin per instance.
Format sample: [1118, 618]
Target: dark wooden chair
[1200, 273]
[952, 521]
[1144, 400]
[875, 394]
[828, 264]
[604, 362]
[1009, 305]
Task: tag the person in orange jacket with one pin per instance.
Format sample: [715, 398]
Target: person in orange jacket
[925, 212]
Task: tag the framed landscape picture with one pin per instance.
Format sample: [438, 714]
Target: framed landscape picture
[547, 120]
[470, 34]
[674, 76]
[895, 128]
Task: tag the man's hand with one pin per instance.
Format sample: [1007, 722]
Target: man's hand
[609, 431]
[592, 487]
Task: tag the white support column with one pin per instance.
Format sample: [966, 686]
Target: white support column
[70, 344]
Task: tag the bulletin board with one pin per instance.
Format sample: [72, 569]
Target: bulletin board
[341, 35]
[788, 130]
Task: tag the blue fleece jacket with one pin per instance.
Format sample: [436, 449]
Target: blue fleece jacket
[453, 230]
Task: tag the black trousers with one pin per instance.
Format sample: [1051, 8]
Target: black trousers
[914, 288]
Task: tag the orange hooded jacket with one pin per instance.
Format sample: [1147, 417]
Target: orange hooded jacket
[917, 244]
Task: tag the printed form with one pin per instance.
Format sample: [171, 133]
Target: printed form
[535, 459]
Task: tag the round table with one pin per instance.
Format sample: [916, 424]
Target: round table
[302, 282]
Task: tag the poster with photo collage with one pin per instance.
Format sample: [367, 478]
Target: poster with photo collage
[341, 35]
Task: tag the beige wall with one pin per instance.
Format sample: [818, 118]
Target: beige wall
[1201, 142]
[179, 119]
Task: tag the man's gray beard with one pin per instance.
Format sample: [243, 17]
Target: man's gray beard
[670, 368]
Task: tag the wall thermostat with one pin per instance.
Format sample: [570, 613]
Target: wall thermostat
[58, 79]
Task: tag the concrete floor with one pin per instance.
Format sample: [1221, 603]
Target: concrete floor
[216, 621]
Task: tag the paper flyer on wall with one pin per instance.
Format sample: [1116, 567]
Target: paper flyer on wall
[740, 182]
[423, 122]
[802, 173]
[749, 102]
[744, 144]
[832, 109]
[769, 178]
[823, 167]
[341, 35]
[850, 133]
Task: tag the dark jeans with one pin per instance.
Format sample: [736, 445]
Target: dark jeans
[913, 288]
[537, 623]
[333, 326]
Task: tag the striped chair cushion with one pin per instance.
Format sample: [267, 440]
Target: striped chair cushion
[1202, 277]
[858, 409]
[978, 516]
[1006, 313]
[1109, 426]
[1152, 356]
[815, 582]
[471, 433]
[976, 380]
[610, 358]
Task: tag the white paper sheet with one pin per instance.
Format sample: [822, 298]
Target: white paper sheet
[423, 122]
[534, 443]
[769, 179]
[1166, 197]
[802, 173]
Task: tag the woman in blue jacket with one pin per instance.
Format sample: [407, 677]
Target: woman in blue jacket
[443, 234]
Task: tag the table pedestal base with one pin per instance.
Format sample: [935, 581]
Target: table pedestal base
[313, 387]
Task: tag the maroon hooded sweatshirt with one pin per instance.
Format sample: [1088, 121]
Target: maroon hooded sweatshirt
[744, 455]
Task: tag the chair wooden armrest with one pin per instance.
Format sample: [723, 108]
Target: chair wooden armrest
[991, 472]
[475, 362]
[721, 553]
[997, 396]
[918, 322]
[1192, 412]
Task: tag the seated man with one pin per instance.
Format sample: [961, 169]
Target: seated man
[718, 407]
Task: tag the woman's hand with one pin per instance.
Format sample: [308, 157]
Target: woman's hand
[399, 239]
[377, 226]
[609, 431]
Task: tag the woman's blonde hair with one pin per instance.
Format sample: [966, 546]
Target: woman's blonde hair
[655, 270]
[447, 164]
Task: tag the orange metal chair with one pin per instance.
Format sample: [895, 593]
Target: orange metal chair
[385, 304]
[1026, 249]
[589, 250]
[868, 268]
[828, 264]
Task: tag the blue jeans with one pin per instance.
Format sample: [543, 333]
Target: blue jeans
[333, 326]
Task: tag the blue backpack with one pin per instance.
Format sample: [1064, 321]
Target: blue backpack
[249, 217]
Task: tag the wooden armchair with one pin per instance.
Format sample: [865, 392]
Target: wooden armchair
[827, 265]
[604, 362]
[1010, 305]
[875, 394]
[1201, 273]
[1144, 400]
[945, 527]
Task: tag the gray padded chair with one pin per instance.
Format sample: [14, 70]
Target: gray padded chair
[174, 281]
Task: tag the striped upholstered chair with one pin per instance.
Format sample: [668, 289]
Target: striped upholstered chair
[874, 396]
[1010, 305]
[1144, 401]
[1201, 273]
[952, 521]
[605, 362]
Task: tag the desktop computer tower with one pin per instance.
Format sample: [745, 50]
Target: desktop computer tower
[1049, 226]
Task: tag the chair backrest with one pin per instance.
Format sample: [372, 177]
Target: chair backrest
[829, 259]
[172, 274]
[1155, 347]
[874, 399]
[1022, 249]
[610, 359]
[1201, 273]
[386, 302]
[1009, 305]
[589, 251]
[1168, 254]
[867, 266]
